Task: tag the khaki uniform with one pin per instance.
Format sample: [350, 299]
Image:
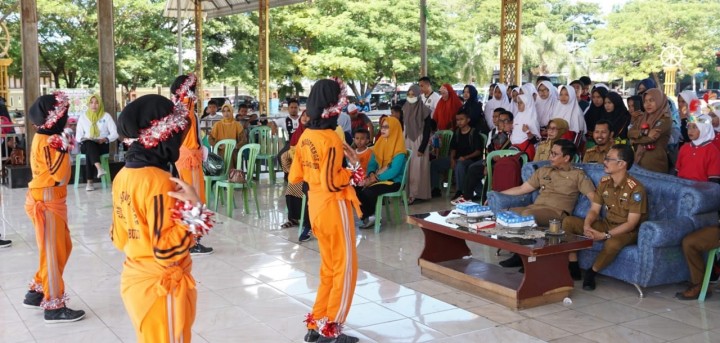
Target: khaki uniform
[559, 189]
[628, 197]
[695, 245]
[654, 160]
[542, 153]
[597, 153]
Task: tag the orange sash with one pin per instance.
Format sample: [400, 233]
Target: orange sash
[35, 209]
[144, 282]
[189, 158]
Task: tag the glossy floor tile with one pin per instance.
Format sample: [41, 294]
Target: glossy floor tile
[260, 282]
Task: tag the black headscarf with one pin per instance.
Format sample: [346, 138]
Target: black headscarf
[40, 110]
[474, 110]
[139, 114]
[323, 94]
[619, 117]
[178, 82]
[595, 113]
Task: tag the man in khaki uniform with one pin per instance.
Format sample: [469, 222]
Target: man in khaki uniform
[695, 247]
[559, 184]
[625, 203]
[604, 139]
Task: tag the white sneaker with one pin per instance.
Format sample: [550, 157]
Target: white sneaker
[101, 172]
[89, 187]
[370, 222]
[458, 200]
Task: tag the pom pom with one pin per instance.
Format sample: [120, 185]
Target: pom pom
[62, 142]
[54, 304]
[59, 110]
[335, 109]
[694, 105]
[358, 174]
[198, 219]
[328, 329]
[309, 320]
[162, 129]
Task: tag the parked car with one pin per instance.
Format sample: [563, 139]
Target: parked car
[246, 99]
[380, 100]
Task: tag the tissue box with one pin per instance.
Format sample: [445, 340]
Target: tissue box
[511, 219]
[472, 209]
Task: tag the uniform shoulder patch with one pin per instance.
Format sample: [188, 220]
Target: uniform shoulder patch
[632, 184]
[637, 197]
[605, 178]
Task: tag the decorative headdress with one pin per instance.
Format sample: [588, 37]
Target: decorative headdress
[59, 110]
[185, 89]
[162, 129]
[334, 109]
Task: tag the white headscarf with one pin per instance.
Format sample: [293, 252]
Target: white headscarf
[571, 111]
[529, 88]
[493, 103]
[513, 105]
[689, 96]
[546, 107]
[527, 117]
[706, 131]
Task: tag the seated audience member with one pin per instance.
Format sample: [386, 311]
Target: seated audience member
[695, 247]
[496, 126]
[716, 126]
[359, 119]
[385, 170]
[361, 140]
[700, 159]
[246, 118]
[526, 130]
[466, 148]
[559, 184]
[625, 202]
[447, 107]
[604, 140]
[295, 191]
[228, 128]
[578, 86]
[345, 123]
[555, 130]
[618, 116]
[567, 108]
[211, 115]
[95, 130]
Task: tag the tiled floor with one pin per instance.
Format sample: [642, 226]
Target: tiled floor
[260, 283]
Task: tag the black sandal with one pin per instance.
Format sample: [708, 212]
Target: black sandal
[288, 224]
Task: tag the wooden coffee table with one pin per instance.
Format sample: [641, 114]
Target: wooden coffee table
[446, 258]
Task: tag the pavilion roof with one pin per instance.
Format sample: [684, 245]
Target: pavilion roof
[219, 8]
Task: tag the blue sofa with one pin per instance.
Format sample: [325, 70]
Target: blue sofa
[676, 207]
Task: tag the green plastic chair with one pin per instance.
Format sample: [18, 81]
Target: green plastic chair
[500, 153]
[708, 272]
[445, 139]
[104, 163]
[398, 195]
[229, 146]
[302, 214]
[249, 184]
[263, 136]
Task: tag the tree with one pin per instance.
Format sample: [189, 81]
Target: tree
[631, 42]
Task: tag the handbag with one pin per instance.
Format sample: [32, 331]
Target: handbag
[213, 165]
[17, 157]
[236, 176]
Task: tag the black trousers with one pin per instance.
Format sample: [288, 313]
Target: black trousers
[473, 178]
[294, 205]
[368, 196]
[92, 151]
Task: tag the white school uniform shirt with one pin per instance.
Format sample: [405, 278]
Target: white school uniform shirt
[430, 101]
[106, 126]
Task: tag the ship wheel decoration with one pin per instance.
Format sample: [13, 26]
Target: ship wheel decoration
[671, 56]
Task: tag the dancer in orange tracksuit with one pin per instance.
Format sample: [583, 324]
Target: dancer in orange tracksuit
[152, 228]
[46, 205]
[189, 165]
[319, 162]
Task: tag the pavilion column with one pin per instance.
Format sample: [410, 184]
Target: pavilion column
[30, 64]
[510, 66]
[107, 56]
[264, 57]
[423, 38]
[199, 57]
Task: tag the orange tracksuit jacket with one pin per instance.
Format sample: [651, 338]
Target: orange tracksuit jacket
[318, 161]
[46, 206]
[156, 285]
[189, 164]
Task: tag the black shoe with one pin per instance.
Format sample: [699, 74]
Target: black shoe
[63, 315]
[312, 336]
[589, 280]
[512, 262]
[305, 235]
[200, 249]
[521, 270]
[436, 193]
[33, 300]
[343, 338]
[715, 273]
[5, 243]
[575, 271]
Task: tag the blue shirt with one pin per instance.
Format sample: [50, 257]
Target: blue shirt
[393, 173]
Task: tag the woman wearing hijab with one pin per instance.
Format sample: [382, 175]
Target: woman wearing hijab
[447, 107]
[529, 88]
[644, 85]
[46, 205]
[650, 137]
[498, 98]
[526, 130]
[569, 110]
[156, 221]
[688, 105]
[513, 99]
[331, 198]
[473, 108]
[618, 116]
[385, 170]
[595, 111]
[228, 128]
[546, 102]
[294, 191]
[699, 160]
[417, 134]
[95, 130]
[715, 120]
[556, 129]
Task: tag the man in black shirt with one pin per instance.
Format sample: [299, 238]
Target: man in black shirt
[466, 148]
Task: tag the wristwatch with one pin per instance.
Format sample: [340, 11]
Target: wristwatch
[608, 235]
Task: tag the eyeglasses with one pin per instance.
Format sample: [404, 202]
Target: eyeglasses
[386, 127]
[607, 159]
[552, 128]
